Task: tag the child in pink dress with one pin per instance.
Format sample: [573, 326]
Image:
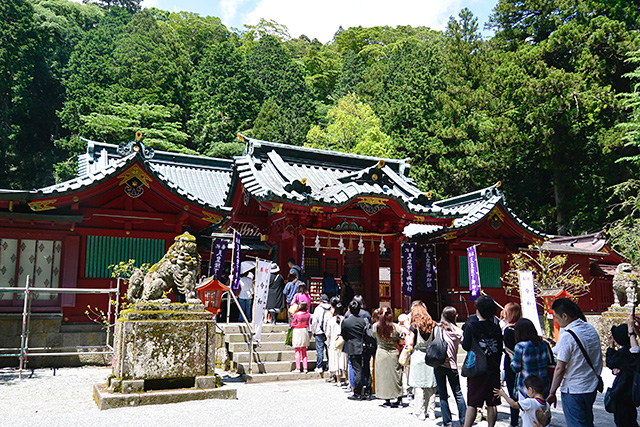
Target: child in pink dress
[300, 337]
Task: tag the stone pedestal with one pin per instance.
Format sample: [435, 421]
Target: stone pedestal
[614, 316]
[163, 353]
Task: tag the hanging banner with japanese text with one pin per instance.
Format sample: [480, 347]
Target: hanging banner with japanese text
[528, 299]
[429, 267]
[263, 274]
[474, 274]
[408, 269]
[218, 255]
[235, 285]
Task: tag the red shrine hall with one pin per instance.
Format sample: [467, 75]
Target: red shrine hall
[343, 214]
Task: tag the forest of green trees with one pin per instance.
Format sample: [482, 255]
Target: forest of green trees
[546, 105]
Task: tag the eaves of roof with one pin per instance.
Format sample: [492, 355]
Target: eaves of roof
[174, 182]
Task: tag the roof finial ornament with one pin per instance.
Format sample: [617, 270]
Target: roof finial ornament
[124, 149]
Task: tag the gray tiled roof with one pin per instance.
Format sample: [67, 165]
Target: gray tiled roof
[201, 180]
[472, 208]
[271, 171]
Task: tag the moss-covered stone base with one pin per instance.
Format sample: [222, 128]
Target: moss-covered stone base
[107, 400]
[157, 341]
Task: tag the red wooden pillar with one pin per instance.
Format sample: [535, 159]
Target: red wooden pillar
[396, 273]
[371, 277]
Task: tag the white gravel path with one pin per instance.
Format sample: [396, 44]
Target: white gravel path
[66, 400]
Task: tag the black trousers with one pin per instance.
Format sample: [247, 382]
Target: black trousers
[625, 414]
[366, 373]
[357, 365]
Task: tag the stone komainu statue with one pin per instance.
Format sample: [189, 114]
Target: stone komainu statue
[178, 270]
[624, 285]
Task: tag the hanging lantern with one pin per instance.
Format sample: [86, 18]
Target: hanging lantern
[341, 246]
[361, 246]
[318, 242]
[383, 248]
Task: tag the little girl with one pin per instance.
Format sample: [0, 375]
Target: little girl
[300, 337]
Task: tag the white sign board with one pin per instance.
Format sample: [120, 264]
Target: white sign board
[528, 299]
[263, 273]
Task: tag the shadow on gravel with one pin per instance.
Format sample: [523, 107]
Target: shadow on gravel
[11, 376]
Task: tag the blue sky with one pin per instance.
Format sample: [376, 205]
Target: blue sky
[321, 19]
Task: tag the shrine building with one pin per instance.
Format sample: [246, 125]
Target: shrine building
[344, 214]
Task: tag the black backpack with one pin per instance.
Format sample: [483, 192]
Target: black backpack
[436, 353]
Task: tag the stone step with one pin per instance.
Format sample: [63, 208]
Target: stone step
[270, 337]
[272, 367]
[235, 328]
[236, 347]
[270, 356]
[284, 376]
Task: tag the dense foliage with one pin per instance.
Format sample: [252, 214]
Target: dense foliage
[546, 105]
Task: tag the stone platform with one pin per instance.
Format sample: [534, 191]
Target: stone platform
[106, 399]
[164, 353]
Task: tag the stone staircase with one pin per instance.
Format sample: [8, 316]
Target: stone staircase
[273, 360]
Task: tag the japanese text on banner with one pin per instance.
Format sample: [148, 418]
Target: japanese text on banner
[218, 255]
[408, 269]
[474, 274]
[528, 299]
[429, 267]
[235, 285]
[263, 275]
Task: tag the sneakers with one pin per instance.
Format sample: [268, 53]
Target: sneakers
[318, 370]
[355, 397]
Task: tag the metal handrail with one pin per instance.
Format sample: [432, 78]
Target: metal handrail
[244, 317]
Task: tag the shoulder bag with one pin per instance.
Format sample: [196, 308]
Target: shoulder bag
[436, 353]
[600, 387]
[475, 363]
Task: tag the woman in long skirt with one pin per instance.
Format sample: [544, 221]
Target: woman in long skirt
[388, 371]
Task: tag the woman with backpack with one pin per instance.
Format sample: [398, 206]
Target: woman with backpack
[421, 375]
[448, 371]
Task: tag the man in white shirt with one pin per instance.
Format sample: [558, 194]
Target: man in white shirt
[319, 320]
[577, 380]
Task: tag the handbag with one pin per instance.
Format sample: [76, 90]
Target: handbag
[475, 363]
[289, 338]
[551, 367]
[339, 342]
[600, 387]
[436, 353]
[609, 401]
[293, 308]
[405, 356]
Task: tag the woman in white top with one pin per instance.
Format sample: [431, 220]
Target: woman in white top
[245, 296]
[337, 358]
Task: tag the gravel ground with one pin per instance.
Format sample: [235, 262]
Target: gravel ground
[66, 400]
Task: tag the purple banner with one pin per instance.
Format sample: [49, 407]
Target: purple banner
[235, 285]
[474, 275]
[429, 267]
[218, 255]
[408, 269]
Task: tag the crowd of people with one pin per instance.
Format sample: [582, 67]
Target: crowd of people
[507, 358]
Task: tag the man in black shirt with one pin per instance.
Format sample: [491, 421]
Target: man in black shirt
[489, 338]
[353, 331]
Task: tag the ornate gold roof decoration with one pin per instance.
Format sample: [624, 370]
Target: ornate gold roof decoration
[42, 205]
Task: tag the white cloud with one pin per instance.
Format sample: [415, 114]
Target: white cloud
[229, 9]
[149, 3]
[321, 19]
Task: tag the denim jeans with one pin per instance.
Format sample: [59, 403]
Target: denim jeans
[578, 409]
[245, 305]
[442, 374]
[320, 340]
